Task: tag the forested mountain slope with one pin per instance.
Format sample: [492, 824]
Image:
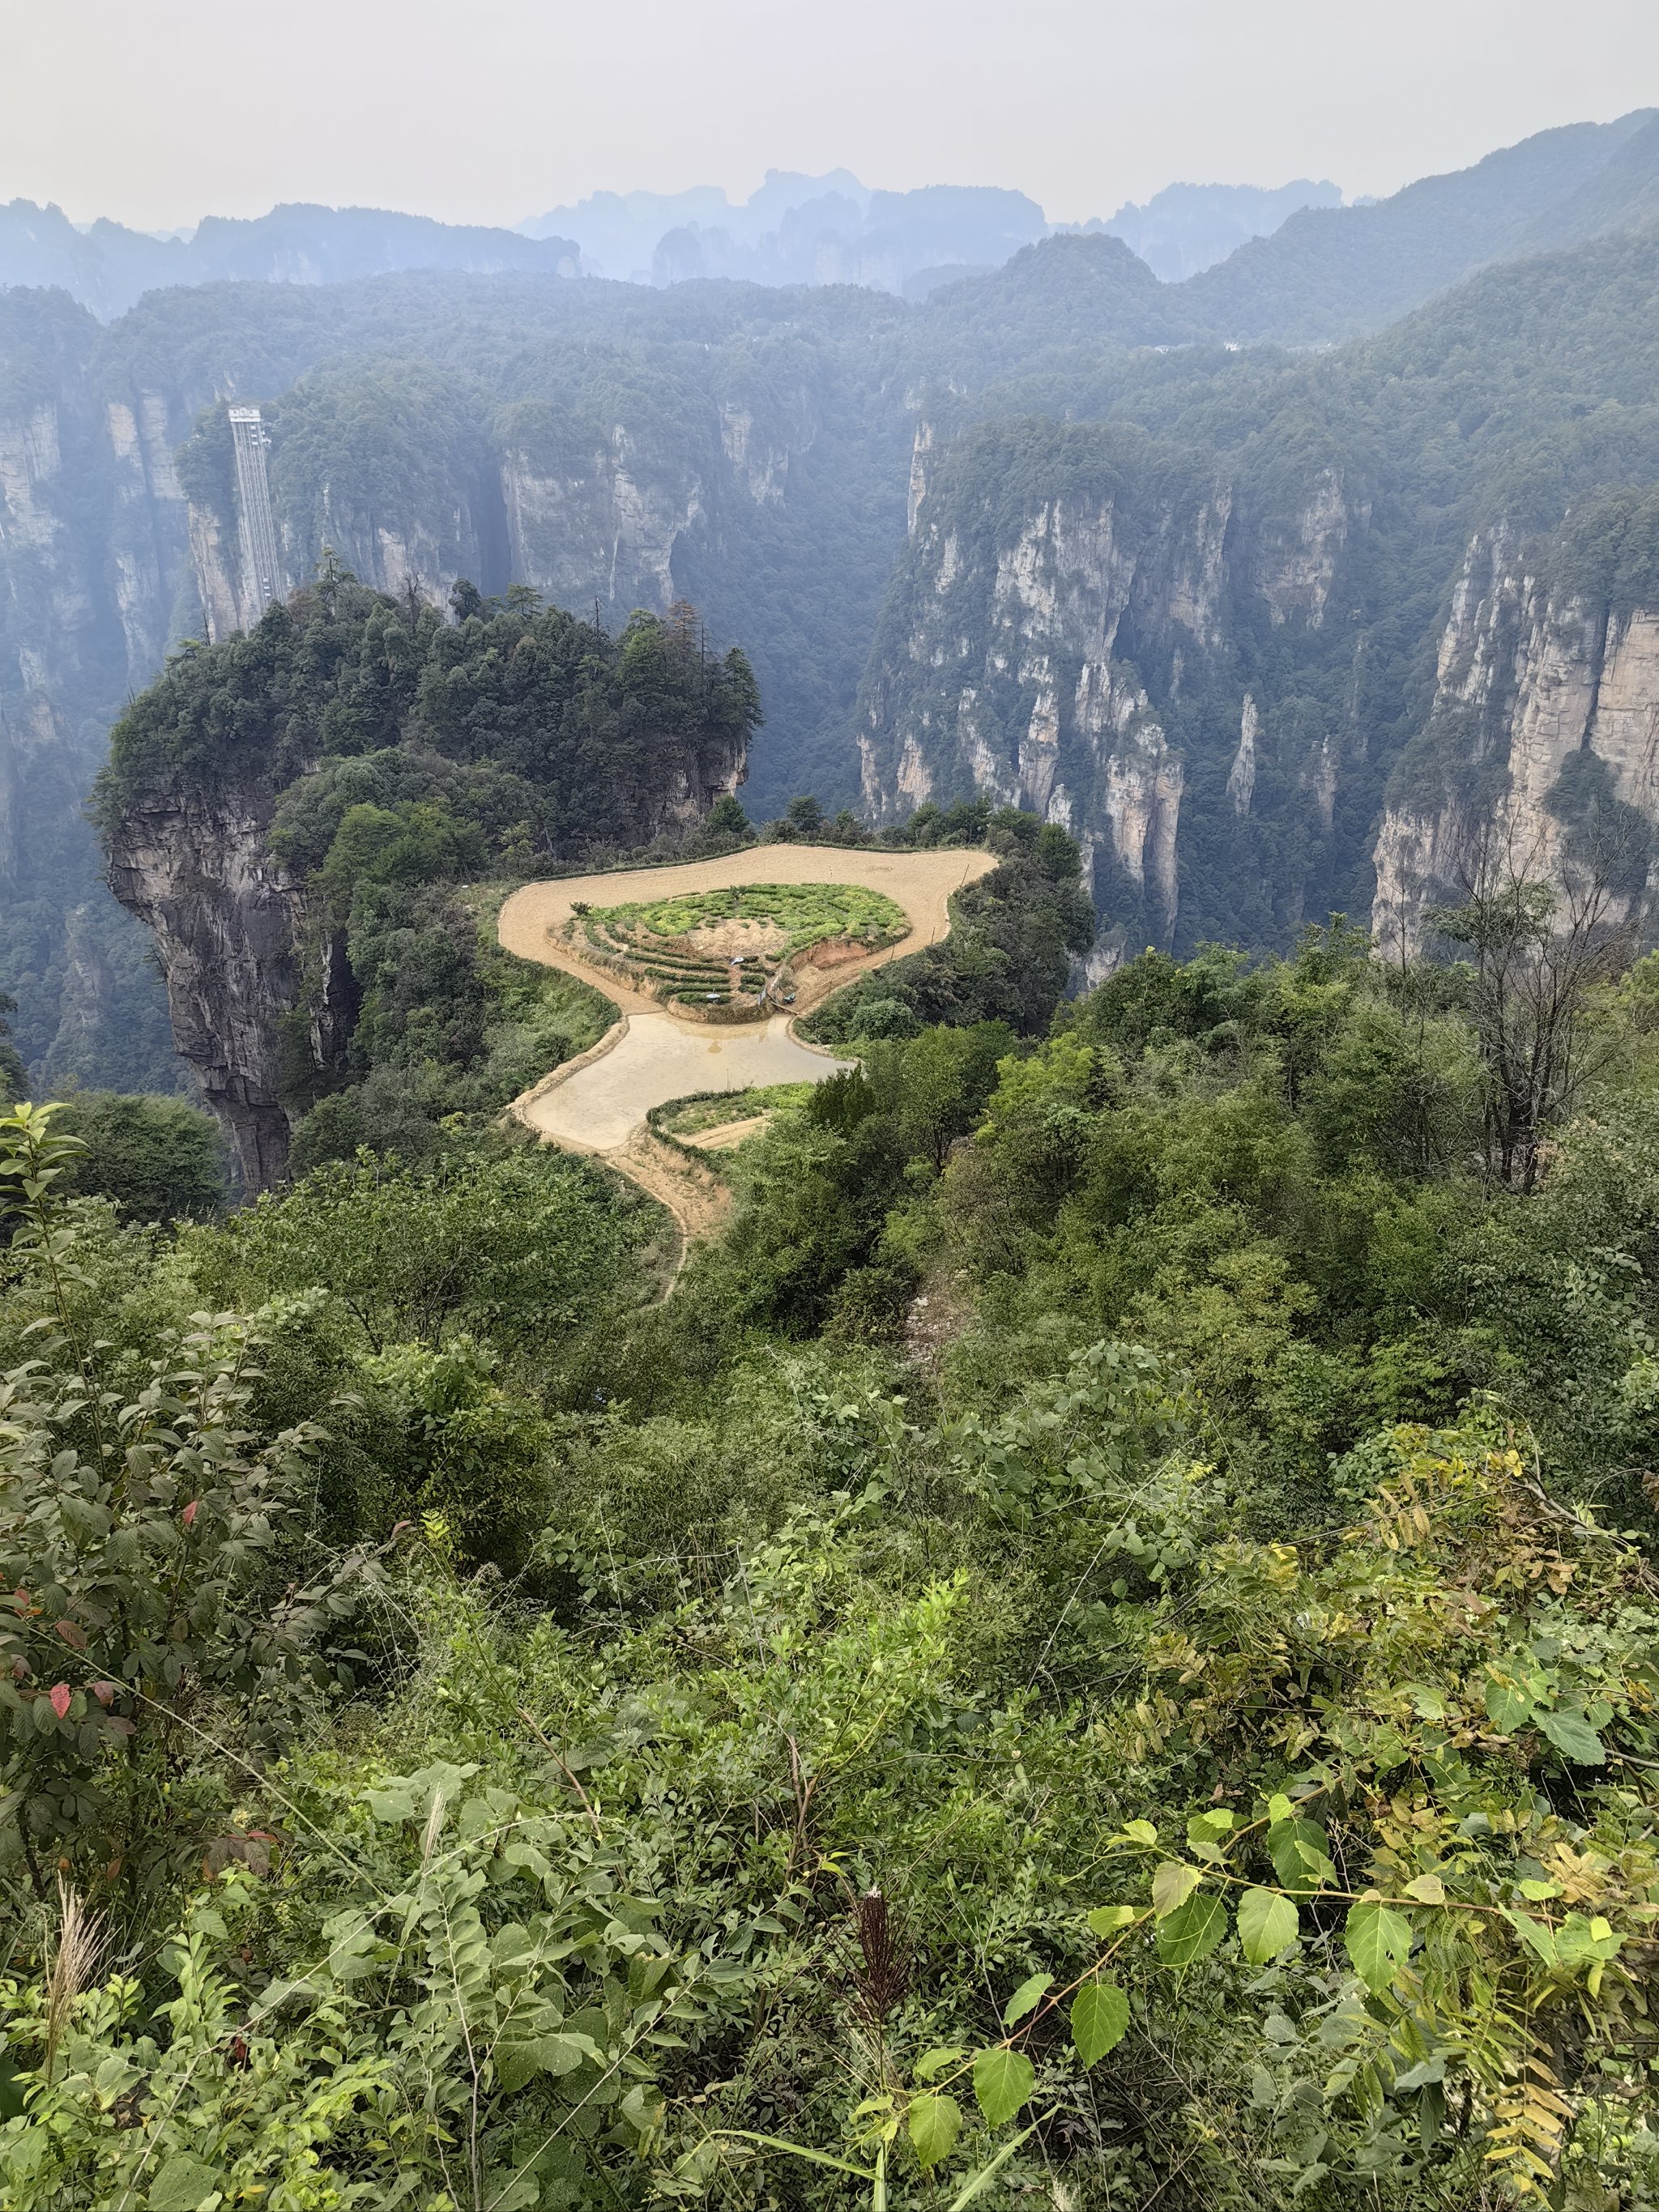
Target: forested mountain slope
[1201, 629]
[1330, 272]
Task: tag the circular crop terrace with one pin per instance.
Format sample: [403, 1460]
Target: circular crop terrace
[730, 952]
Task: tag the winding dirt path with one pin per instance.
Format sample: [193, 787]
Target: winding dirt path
[598, 1102]
[603, 1104]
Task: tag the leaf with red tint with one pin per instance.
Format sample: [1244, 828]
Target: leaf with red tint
[191, 1510]
[105, 1692]
[59, 1694]
[74, 1637]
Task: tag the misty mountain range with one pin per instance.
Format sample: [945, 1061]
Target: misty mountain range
[795, 229]
[1249, 263]
[831, 229]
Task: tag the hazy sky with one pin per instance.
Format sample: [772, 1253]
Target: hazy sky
[157, 111]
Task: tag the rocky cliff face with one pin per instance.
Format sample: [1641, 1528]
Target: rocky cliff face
[119, 538]
[227, 923]
[263, 995]
[1545, 694]
[607, 531]
[244, 951]
[89, 521]
[1083, 652]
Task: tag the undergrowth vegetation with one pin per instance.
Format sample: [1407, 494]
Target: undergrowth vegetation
[1100, 1643]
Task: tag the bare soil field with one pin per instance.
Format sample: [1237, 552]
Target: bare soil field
[599, 1106]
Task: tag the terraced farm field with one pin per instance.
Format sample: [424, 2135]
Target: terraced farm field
[728, 953]
[535, 922]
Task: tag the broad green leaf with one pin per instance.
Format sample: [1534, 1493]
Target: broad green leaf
[563, 2054]
[1002, 2079]
[642, 2109]
[1427, 1889]
[1536, 1892]
[183, 2181]
[935, 2122]
[1107, 1919]
[1267, 1925]
[934, 2062]
[1192, 1931]
[516, 2064]
[1507, 1707]
[1206, 1830]
[1025, 1997]
[1573, 1736]
[1100, 2017]
[1172, 1885]
[1419, 2076]
[1140, 1832]
[1379, 1942]
[1536, 1937]
[1279, 1807]
[1300, 1855]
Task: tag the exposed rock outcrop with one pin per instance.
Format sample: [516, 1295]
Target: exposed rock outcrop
[605, 530]
[191, 862]
[1534, 684]
[1241, 777]
[1077, 653]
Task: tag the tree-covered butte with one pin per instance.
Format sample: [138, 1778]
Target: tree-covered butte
[1099, 1641]
[392, 774]
[552, 730]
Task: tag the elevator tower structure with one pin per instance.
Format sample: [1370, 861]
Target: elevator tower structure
[262, 566]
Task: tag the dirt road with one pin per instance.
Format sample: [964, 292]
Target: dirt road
[603, 1104]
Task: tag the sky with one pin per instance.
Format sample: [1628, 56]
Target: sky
[158, 112]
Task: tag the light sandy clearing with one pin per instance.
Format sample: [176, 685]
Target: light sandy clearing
[718, 940]
[921, 882]
[600, 1106]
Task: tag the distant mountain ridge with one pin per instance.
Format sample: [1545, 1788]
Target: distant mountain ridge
[1236, 264]
[1330, 273]
[1187, 227]
[109, 267]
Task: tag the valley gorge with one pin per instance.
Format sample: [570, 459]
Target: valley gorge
[1264, 631]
